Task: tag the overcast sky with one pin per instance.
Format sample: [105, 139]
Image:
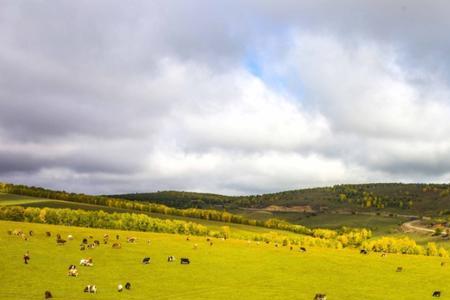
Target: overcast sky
[232, 97]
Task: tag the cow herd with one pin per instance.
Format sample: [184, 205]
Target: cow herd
[88, 262]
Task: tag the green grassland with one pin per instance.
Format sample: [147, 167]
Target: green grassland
[230, 269]
[237, 230]
[10, 199]
[380, 225]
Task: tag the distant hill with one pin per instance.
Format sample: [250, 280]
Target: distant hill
[396, 197]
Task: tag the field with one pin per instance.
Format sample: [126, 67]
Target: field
[380, 225]
[235, 229]
[230, 269]
[10, 199]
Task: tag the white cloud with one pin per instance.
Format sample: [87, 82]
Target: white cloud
[150, 97]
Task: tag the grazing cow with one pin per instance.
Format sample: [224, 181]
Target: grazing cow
[82, 247]
[116, 246]
[85, 241]
[90, 289]
[23, 236]
[119, 287]
[437, 294]
[91, 246]
[302, 249]
[73, 273]
[48, 295]
[184, 261]
[91, 237]
[117, 237]
[320, 297]
[87, 262]
[48, 233]
[363, 251]
[128, 286]
[106, 236]
[399, 269]
[26, 257]
[60, 241]
[97, 242]
[70, 237]
[171, 258]
[17, 232]
[146, 260]
[208, 240]
[131, 239]
[105, 241]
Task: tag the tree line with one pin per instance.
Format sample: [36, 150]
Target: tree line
[205, 214]
[377, 195]
[347, 238]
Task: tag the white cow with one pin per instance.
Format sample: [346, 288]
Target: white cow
[87, 262]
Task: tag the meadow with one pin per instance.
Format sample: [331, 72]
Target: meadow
[380, 225]
[229, 269]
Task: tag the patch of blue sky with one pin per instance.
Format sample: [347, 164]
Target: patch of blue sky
[288, 82]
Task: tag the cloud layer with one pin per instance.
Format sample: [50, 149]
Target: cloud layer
[239, 97]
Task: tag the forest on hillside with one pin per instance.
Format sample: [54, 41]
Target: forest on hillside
[416, 197]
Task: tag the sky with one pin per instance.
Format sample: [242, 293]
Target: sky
[232, 97]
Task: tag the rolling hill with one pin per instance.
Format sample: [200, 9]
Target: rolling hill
[420, 199]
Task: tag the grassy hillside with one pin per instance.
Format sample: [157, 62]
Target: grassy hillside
[230, 269]
[379, 225]
[235, 229]
[396, 197]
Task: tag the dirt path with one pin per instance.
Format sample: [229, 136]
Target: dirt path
[413, 226]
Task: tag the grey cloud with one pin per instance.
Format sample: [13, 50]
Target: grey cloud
[156, 95]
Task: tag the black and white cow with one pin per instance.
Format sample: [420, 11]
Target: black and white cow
[73, 272]
[90, 289]
[184, 261]
[437, 294]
